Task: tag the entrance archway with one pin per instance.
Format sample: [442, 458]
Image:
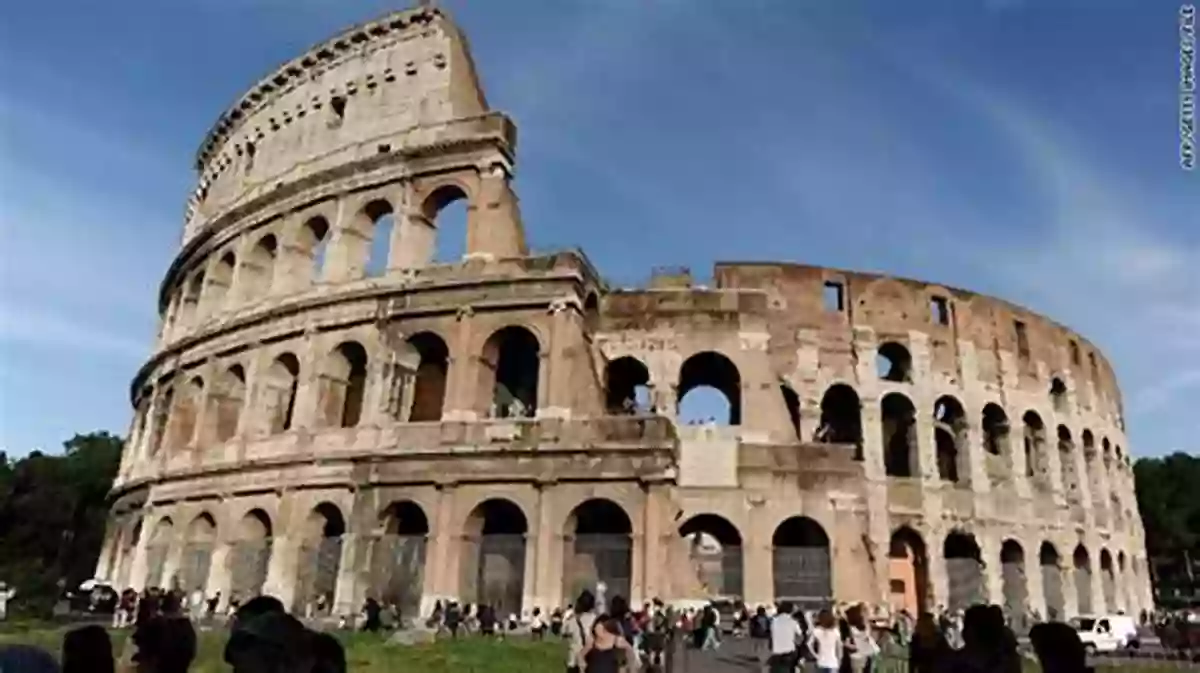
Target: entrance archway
[1052, 582]
[801, 563]
[1014, 585]
[197, 554]
[715, 553]
[964, 570]
[1083, 580]
[493, 556]
[320, 559]
[1108, 581]
[908, 572]
[398, 556]
[249, 556]
[598, 549]
[156, 552]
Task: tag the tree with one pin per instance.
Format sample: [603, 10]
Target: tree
[52, 516]
[1171, 518]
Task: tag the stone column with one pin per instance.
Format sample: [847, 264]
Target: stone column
[758, 574]
[546, 583]
[219, 578]
[533, 545]
[993, 580]
[282, 569]
[494, 227]
[306, 414]
[939, 581]
[345, 258]
[1035, 588]
[345, 592]
[440, 582]
[138, 569]
[558, 367]
[462, 378]
[656, 538]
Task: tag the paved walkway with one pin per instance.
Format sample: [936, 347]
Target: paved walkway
[735, 656]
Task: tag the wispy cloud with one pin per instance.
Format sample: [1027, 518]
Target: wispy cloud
[34, 326]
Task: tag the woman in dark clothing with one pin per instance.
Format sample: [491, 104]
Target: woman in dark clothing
[608, 650]
[928, 646]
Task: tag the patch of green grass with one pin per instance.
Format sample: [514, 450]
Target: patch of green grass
[365, 653]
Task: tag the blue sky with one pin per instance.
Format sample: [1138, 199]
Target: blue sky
[1018, 148]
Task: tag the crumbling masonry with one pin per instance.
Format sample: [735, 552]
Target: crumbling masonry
[329, 412]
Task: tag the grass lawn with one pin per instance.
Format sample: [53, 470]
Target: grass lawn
[365, 653]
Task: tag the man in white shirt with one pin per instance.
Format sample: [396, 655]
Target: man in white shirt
[786, 634]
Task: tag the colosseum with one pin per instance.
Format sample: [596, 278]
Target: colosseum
[329, 413]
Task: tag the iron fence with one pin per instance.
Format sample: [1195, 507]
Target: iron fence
[194, 566]
[247, 564]
[397, 571]
[965, 577]
[598, 558]
[317, 573]
[494, 572]
[803, 576]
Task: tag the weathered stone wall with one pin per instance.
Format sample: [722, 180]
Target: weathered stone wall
[310, 423]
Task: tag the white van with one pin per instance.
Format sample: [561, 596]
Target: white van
[1107, 633]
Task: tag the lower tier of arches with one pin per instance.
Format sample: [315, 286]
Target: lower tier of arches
[521, 546]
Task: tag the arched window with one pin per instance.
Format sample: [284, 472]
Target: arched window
[710, 389]
[511, 360]
[899, 436]
[344, 383]
[893, 363]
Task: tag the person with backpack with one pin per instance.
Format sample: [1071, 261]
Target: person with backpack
[578, 630]
[760, 631]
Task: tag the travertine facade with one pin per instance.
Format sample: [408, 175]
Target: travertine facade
[327, 416]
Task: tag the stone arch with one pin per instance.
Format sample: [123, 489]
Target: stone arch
[1014, 585]
[185, 417]
[220, 279]
[157, 549]
[841, 417]
[898, 416]
[312, 247]
[198, 545]
[1123, 583]
[598, 549]
[1058, 395]
[715, 372]
[250, 555]
[257, 273]
[320, 559]
[950, 435]
[343, 385]
[1083, 580]
[995, 429]
[398, 556]
[446, 210]
[801, 563]
[591, 314]
[964, 570]
[229, 400]
[279, 388]
[1037, 463]
[1067, 463]
[715, 555]
[429, 384]
[511, 361]
[162, 418]
[626, 386]
[378, 222]
[908, 571]
[893, 362]
[1108, 580]
[493, 556]
[192, 293]
[1052, 581]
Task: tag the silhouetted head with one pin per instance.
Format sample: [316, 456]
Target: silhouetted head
[27, 659]
[786, 608]
[328, 654]
[271, 642]
[164, 645]
[1058, 648]
[618, 607]
[87, 649]
[586, 602]
[825, 619]
[259, 605]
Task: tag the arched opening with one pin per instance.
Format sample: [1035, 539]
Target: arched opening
[715, 555]
[221, 279]
[398, 556]
[446, 210]
[185, 416]
[1108, 581]
[841, 417]
[964, 570]
[320, 560]
[258, 268]
[191, 297]
[598, 550]
[343, 385]
[249, 556]
[591, 314]
[511, 359]
[1052, 582]
[1058, 395]
[995, 429]
[157, 548]
[710, 390]
[382, 223]
[1014, 585]
[893, 363]
[162, 419]
[1124, 585]
[899, 436]
[279, 392]
[908, 572]
[1037, 465]
[231, 396]
[198, 549]
[493, 556]
[801, 563]
[1083, 580]
[791, 402]
[1067, 464]
[314, 247]
[1115, 506]
[626, 386]
[429, 386]
[950, 430]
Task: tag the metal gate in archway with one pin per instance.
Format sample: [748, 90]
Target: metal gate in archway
[720, 573]
[1109, 585]
[317, 573]
[194, 567]
[248, 562]
[592, 559]
[803, 576]
[397, 571]
[156, 561]
[1052, 587]
[1016, 593]
[965, 577]
[494, 572]
[1083, 590]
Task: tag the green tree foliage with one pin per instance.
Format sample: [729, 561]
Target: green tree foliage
[52, 516]
[1167, 493]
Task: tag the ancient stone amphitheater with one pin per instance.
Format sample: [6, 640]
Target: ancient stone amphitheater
[330, 413]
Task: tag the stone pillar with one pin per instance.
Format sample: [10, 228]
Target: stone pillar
[345, 258]
[494, 228]
[282, 569]
[872, 424]
[975, 458]
[758, 573]
[174, 560]
[559, 366]
[462, 378]
[1035, 588]
[939, 581]
[346, 588]
[1070, 593]
[546, 583]
[306, 414]
[880, 534]
[657, 538]
[533, 545]
[993, 580]
[219, 578]
[440, 582]
[138, 569]
[1016, 452]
